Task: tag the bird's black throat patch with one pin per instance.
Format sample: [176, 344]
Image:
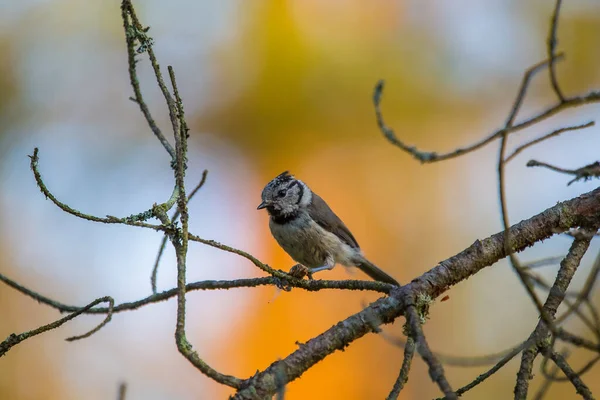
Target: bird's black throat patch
[280, 218]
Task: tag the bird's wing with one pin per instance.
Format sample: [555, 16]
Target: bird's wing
[320, 212]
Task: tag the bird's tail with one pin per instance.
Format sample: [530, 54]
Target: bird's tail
[375, 272]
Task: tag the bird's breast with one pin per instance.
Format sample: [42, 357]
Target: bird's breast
[311, 245]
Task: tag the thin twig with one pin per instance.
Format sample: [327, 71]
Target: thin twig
[163, 243]
[436, 371]
[581, 387]
[584, 173]
[514, 262]
[568, 337]
[248, 256]
[543, 262]
[588, 366]
[109, 313]
[409, 351]
[501, 184]
[34, 160]
[550, 378]
[180, 239]
[430, 157]
[584, 294]
[552, 42]
[146, 45]
[133, 34]
[547, 136]
[525, 81]
[15, 339]
[572, 307]
[179, 104]
[509, 356]
[546, 313]
[453, 360]
[311, 286]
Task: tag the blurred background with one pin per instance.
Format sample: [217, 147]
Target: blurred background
[270, 86]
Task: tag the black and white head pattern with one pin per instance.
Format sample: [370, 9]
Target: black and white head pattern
[285, 195]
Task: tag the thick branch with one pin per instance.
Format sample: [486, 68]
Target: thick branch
[580, 211]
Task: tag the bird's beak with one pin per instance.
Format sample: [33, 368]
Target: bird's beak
[262, 205]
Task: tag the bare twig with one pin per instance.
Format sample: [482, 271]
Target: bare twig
[163, 243]
[311, 286]
[454, 360]
[248, 256]
[509, 356]
[550, 378]
[584, 293]
[552, 42]
[584, 173]
[436, 371]
[588, 366]
[514, 262]
[15, 339]
[134, 27]
[572, 307]
[529, 73]
[581, 387]
[547, 136]
[544, 262]
[409, 351]
[132, 34]
[576, 340]
[108, 220]
[181, 236]
[429, 157]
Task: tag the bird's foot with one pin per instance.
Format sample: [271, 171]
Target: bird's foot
[300, 271]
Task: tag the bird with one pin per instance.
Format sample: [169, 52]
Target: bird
[310, 232]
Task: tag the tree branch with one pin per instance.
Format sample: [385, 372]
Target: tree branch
[546, 137]
[409, 351]
[580, 211]
[552, 42]
[15, 339]
[567, 270]
[581, 387]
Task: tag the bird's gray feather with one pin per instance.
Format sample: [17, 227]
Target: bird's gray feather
[324, 216]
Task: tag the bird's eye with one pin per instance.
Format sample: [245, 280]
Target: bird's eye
[281, 193]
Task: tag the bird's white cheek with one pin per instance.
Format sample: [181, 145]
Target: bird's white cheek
[306, 196]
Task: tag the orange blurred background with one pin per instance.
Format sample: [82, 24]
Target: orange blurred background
[270, 86]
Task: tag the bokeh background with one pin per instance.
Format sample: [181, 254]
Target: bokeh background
[272, 86]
